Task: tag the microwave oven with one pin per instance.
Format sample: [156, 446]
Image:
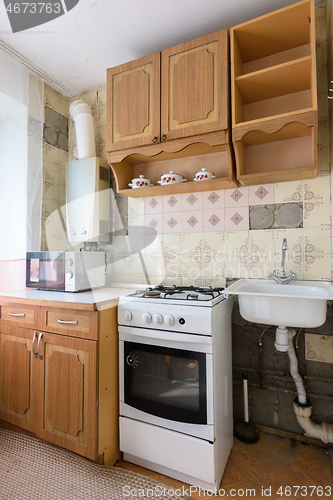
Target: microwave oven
[65, 271]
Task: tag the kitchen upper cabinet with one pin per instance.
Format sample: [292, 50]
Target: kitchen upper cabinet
[17, 377]
[133, 103]
[274, 96]
[170, 111]
[194, 87]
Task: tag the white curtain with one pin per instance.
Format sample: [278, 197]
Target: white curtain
[21, 168]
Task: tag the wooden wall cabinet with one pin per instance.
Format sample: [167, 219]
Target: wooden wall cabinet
[274, 96]
[62, 386]
[171, 106]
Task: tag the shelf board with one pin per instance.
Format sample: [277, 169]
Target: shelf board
[183, 187]
[282, 79]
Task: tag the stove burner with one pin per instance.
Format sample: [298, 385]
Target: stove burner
[151, 293]
[192, 296]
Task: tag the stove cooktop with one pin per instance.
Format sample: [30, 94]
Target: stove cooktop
[190, 293]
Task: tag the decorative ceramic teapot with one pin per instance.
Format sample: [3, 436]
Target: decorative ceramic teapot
[171, 178]
[204, 175]
[140, 182]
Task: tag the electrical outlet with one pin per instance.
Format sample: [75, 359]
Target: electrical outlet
[319, 348]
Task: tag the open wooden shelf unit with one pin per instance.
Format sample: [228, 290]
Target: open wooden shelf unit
[274, 95]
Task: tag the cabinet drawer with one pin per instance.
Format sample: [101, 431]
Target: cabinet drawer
[19, 315]
[81, 324]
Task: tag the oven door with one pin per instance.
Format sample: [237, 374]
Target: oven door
[166, 379]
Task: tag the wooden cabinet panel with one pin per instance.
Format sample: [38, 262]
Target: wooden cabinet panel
[19, 315]
[68, 393]
[17, 377]
[195, 88]
[133, 103]
[72, 323]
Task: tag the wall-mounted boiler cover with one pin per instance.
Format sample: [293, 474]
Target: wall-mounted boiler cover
[88, 200]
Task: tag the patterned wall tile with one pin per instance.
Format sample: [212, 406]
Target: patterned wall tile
[192, 221]
[214, 243]
[213, 220]
[318, 188]
[172, 265]
[172, 222]
[172, 203]
[191, 243]
[213, 199]
[238, 197]
[100, 140]
[317, 213]
[263, 194]
[237, 254]
[172, 243]
[323, 159]
[286, 192]
[261, 253]
[154, 221]
[101, 106]
[191, 201]
[237, 219]
[136, 206]
[318, 269]
[153, 205]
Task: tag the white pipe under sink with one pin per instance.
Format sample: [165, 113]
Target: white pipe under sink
[302, 406]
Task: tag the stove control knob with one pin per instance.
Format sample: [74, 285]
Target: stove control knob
[146, 318]
[158, 319]
[169, 320]
[128, 315]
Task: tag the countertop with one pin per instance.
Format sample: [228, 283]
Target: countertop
[92, 300]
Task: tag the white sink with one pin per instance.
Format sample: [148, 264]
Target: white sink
[297, 304]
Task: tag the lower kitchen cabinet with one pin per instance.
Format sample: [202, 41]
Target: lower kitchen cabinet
[63, 388]
[67, 393]
[17, 377]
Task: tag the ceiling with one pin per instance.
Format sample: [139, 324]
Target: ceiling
[76, 48]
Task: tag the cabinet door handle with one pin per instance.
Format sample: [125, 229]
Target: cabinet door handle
[39, 339]
[154, 139]
[163, 137]
[18, 315]
[33, 342]
[67, 322]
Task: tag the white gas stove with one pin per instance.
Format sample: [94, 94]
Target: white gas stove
[182, 309]
[176, 381]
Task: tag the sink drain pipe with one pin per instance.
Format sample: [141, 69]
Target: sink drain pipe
[302, 406]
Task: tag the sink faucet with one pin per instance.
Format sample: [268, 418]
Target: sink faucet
[284, 248]
[283, 279]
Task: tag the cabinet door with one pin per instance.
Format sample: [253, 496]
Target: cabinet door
[17, 377]
[68, 393]
[195, 87]
[133, 103]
